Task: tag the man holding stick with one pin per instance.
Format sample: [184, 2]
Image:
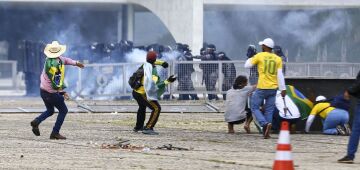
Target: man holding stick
[271, 79]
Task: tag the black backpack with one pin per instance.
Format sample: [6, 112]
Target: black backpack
[135, 79]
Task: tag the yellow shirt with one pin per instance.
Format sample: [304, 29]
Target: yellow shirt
[320, 110]
[268, 65]
[141, 89]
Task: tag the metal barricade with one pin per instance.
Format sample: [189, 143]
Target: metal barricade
[195, 77]
[322, 70]
[210, 77]
[109, 81]
[104, 81]
[8, 72]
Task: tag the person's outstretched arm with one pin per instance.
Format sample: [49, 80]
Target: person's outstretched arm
[309, 121]
[281, 82]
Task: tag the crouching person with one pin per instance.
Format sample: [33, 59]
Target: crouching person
[52, 86]
[286, 110]
[291, 108]
[147, 89]
[334, 114]
[236, 111]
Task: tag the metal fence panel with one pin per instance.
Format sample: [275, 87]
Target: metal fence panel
[8, 72]
[297, 70]
[336, 70]
[106, 81]
[322, 70]
[209, 77]
[194, 77]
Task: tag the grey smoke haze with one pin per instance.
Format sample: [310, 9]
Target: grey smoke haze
[136, 56]
[301, 32]
[307, 35]
[302, 25]
[114, 81]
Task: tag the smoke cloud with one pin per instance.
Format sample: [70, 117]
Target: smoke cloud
[307, 30]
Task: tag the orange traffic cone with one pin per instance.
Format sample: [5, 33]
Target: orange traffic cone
[283, 160]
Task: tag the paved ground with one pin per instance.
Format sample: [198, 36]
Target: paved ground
[204, 134]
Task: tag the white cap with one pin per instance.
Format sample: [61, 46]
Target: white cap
[267, 42]
[320, 98]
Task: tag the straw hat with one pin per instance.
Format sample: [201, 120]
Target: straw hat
[54, 50]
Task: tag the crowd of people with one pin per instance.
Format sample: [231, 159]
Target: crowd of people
[266, 100]
[271, 101]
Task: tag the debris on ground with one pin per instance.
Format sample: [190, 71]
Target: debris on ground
[109, 146]
[171, 147]
[124, 144]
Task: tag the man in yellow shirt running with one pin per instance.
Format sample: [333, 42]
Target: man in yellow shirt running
[271, 79]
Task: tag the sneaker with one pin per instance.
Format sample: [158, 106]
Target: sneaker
[347, 129]
[346, 159]
[149, 132]
[57, 136]
[267, 130]
[341, 130]
[137, 130]
[35, 127]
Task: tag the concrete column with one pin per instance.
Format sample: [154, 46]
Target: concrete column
[126, 21]
[183, 18]
[198, 26]
[130, 22]
[120, 25]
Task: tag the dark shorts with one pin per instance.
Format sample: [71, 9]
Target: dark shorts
[237, 122]
[277, 119]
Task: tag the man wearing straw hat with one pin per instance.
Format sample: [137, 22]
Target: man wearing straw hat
[52, 86]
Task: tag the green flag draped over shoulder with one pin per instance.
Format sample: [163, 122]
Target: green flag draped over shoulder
[160, 84]
[55, 70]
[304, 105]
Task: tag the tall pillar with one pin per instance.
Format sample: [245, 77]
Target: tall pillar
[120, 24]
[183, 19]
[130, 22]
[198, 26]
[126, 21]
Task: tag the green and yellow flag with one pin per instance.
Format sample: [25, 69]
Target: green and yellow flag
[55, 70]
[304, 105]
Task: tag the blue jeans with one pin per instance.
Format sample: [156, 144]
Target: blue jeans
[334, 118]
[52, 100]
[354, 137]
[257, 100]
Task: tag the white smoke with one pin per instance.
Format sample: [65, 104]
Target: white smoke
[136, 56]
[302, 25]
[306, 30]
[114, 82]
[170, 56]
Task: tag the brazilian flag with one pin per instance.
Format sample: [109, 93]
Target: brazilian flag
[304, 105]
[55, 70]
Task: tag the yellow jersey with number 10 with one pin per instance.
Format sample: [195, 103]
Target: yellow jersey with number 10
[268, 65]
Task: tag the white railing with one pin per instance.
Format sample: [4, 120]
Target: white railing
[8, 72]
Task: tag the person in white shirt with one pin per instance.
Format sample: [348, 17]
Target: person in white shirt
[236, 111]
